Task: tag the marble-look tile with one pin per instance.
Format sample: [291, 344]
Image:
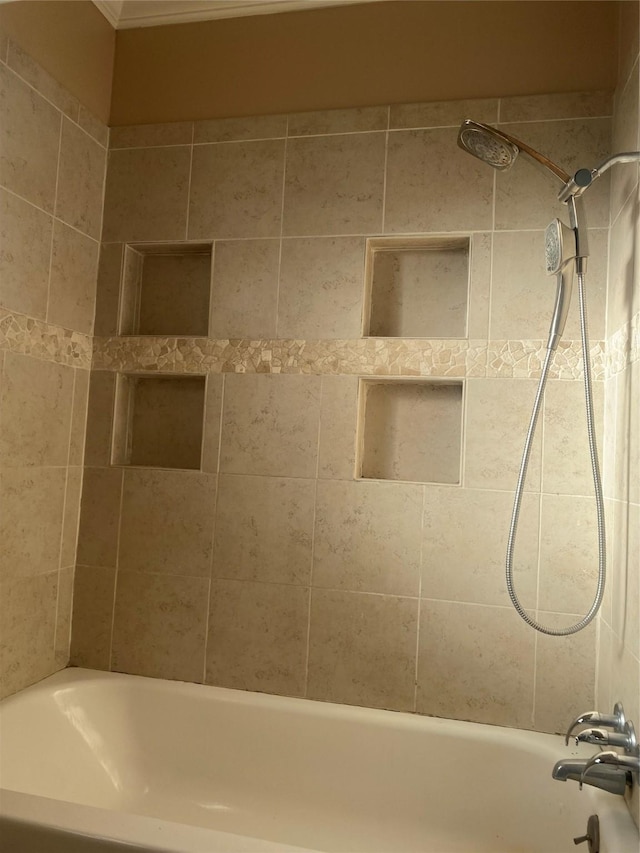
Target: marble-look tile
[72, 286]
[629, 34]
[32, 501]
[36, 412]
[334, 185]
[25, 253]
[71, 519]
[625, 678]
[526, 197]
[362, 649]
[258, 637]
[80, 180]
[623, 293]
[167, 522]
[556, 106]
[475, 663]
[100, 414]
[34, 74]
[568, 554]
[78, 417]
[146, 194]
[62, 644]
[236, 190]
[212, 425]
[464, 545]
[321, 288]
[624, 575]
[338, 424]
[603, 668]
[367, 537]
[172, 293]
[357, 120]
[151, 135]
[93, 126]
[108, 289]
[29, 141]
[264, 529]
[270, 425]
[244, 291]
[433, 186]
[479, 286]
[626, 137]
[497, 417]
[100, 517]
[566, 461]
[93, 600]
[235, 129]
[27, 631]
[565, 673]
[159, 626]
[443, 113]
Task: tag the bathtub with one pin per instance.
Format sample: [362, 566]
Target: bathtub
[95, 761]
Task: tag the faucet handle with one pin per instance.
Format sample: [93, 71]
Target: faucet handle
[615, 721]
[600, 737]
[628, 763]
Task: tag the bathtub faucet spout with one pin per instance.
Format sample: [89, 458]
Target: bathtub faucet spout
[611, 778]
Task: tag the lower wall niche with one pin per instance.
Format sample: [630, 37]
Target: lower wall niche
[159, 421]
[410, 430]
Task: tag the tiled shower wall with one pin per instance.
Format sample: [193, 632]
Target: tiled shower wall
[619, 645]
[52, 169]
[273, 568]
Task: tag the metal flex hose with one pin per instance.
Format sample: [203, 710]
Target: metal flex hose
[597, 482]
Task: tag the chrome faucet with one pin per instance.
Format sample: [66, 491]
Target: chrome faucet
[607, 770]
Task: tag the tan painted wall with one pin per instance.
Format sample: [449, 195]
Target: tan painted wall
[72, 40]
[362, 55]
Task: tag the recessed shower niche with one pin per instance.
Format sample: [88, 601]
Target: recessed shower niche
[410, 430]
[166, 289]
[416, 287]
[158, 421]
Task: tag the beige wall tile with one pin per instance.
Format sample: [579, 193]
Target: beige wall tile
[244, 291]
[367, 537]
[270, 425]
[264, 529]
[425, 165]
[71, 519]
[632, 382]
[100, 517]
[603, 668]
[623, 293]
[258, 637]
[29, 141]
[556, 106]
[625, 679]
[78, 416]
[63, 618]
[147, 135]
[146, 194]
[566, 459]
[626, 137]
[321, 288]
[338, 121]
[565, 674]
[568, 554]
[443, 113]
[624, 576]
[32, 501]
[174, 293]
[93, 126]
[362, 649]
[475, 662]
[236, 190]
[25, 252]
[334, 185]
[338, 423]
[608, 458]
[36, 412]
[93, 600]
[81, 180]
[480, 286]
[108, 289]
[102, 389]
[27, 631]
[159, 626]
[234, 129]
[72, 288]
[497, 417]
[167, 522]
[526, 198]
[464, 546]
[34, 74]
[212, 423]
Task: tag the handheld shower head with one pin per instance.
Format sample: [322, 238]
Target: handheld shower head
[487, 144]
[558, 248]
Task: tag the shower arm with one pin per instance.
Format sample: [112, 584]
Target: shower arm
[583, 178]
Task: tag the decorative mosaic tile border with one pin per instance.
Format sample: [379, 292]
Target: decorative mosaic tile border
[28, 336]
[367, 356]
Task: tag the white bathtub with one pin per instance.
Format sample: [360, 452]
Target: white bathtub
[94, 761]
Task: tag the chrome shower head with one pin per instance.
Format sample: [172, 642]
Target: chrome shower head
[559, 247]
[487, 144]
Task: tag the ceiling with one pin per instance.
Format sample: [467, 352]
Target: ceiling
[126, 14]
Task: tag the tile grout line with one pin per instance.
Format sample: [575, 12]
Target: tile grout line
[55, 207]
[116, 572]
[313, 540]
[186, 225]
[419, 603]
[280, 238]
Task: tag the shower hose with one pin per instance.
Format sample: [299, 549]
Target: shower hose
[597, 482]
